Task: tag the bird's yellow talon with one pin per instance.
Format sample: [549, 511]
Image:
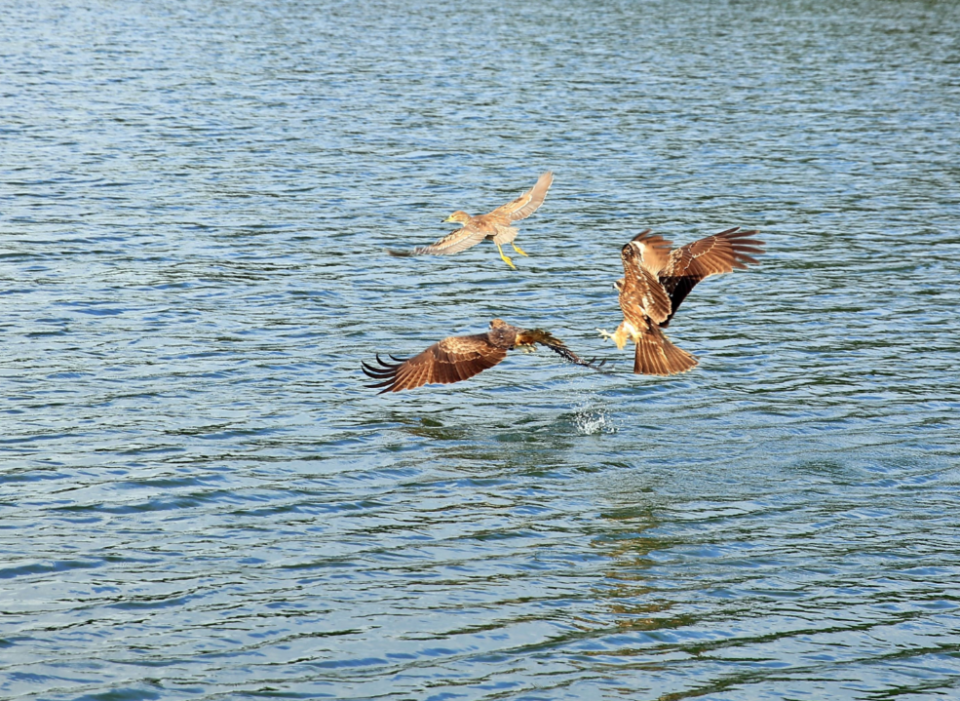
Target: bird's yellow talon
[519, 250]
[506, 258]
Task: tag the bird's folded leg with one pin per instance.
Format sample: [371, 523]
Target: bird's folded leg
[506, 259]
[518, 249]
[605, 334]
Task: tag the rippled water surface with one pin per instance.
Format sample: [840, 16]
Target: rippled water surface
[199, 499]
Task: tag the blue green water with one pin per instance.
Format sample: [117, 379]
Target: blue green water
[200, 500]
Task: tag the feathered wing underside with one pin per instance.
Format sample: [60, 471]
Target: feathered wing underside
[656, 354]
[713, 255]
[655, 250]
[645, 304]
[505, 234]
[454, 242]
[528, 202]
[641, 294]
[451, 360]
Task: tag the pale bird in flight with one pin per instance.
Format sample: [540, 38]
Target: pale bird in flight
[495, 226]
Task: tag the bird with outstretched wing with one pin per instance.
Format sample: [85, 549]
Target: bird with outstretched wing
[495, 226]
[460, 357]
[655, 282]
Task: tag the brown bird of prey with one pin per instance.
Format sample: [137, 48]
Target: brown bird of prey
[460, 357]
[655, 282]
[495, 226]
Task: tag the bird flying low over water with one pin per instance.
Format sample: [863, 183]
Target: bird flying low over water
[495, 226]
[655, 282]
[459, 357]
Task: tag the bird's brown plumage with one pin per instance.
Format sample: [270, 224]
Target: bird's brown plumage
[684, 267]
[495, 225]
[460, 357]
[656, 280]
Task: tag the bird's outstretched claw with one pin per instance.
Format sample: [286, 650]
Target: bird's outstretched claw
[506, 258]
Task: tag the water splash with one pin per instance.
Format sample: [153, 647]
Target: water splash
[591, 421]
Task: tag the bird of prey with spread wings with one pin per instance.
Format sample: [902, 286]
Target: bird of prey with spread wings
[496, 226]
[655, 282]
[459, 357]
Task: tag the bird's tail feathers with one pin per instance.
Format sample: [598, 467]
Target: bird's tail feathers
[656, 355]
